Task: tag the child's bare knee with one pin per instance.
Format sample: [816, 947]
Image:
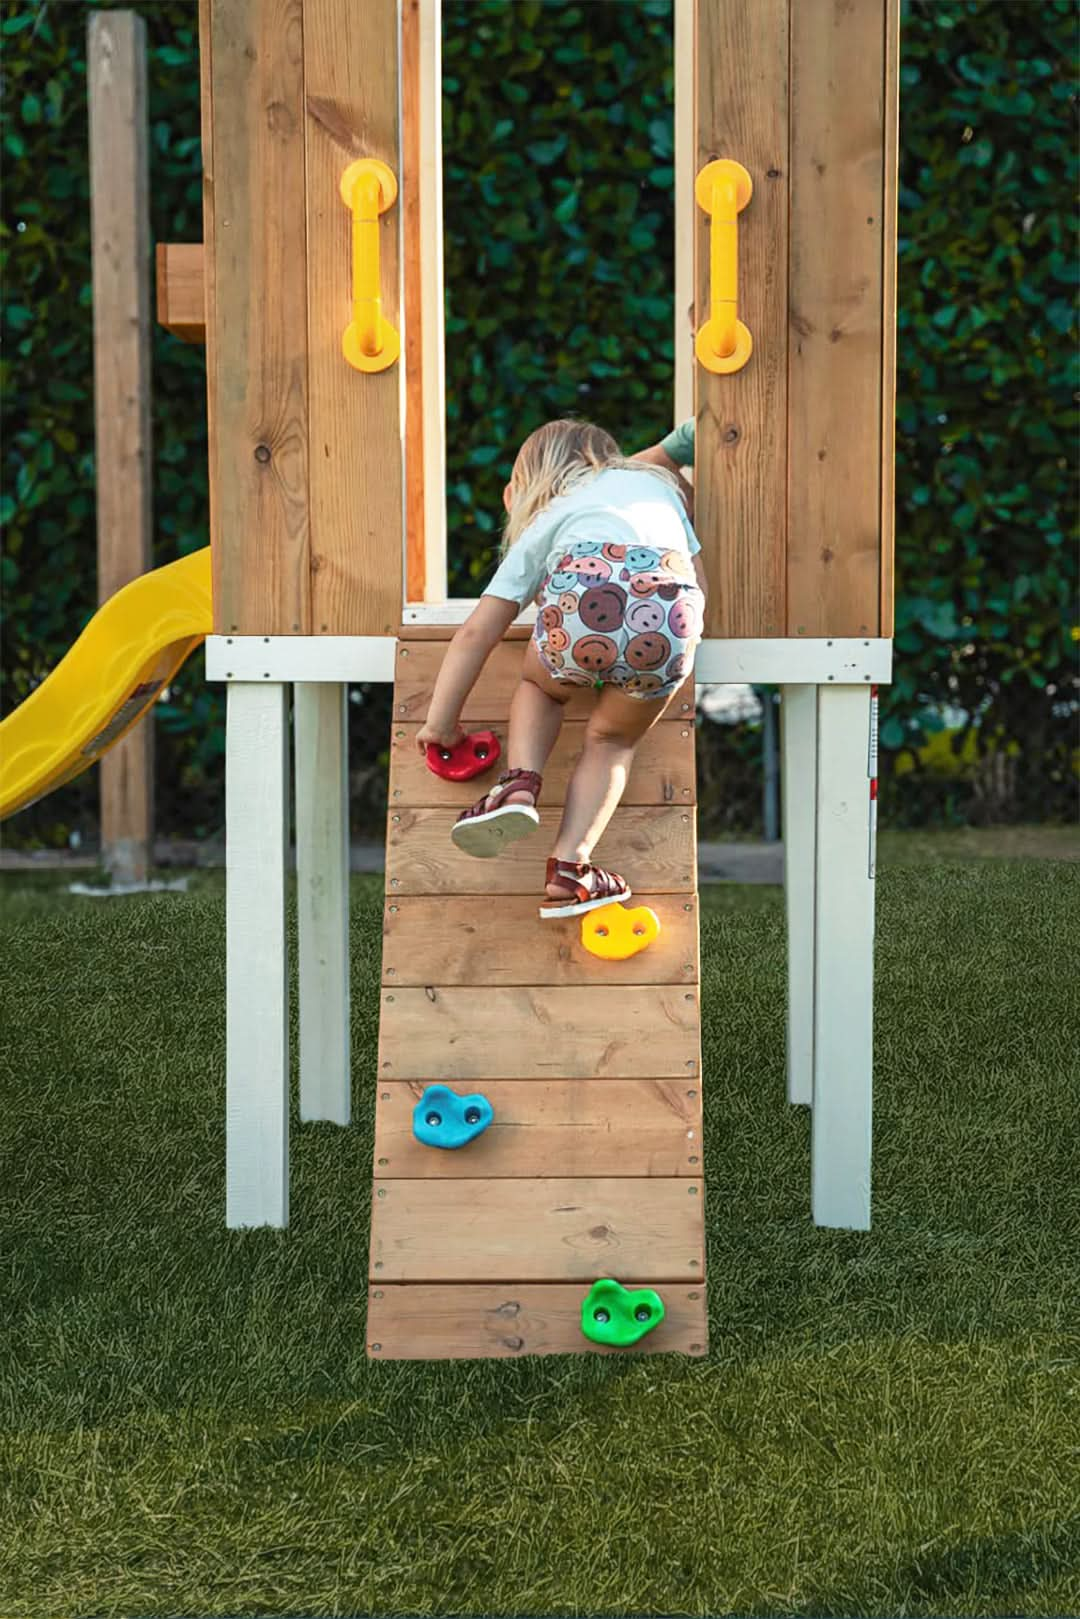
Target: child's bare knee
[604, 730]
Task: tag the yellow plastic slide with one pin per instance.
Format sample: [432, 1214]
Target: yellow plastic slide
[129, 651]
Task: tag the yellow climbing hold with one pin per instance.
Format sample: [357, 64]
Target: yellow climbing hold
[614, 933]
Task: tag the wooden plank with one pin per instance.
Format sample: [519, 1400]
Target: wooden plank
[418, 1322]
[206, 112]
[356, 473]
[120, 260]
[835, 377]
[433, 299]
[413, 323]
[740, 451]
[536, 1231]
[615, 1032]
[444, 632]
[418, 664]
[888, 313]
[555, 1127]
[425, 941]
[257, 320]
[685, 208]
[662, 773]
[653, 848]
[180, 306]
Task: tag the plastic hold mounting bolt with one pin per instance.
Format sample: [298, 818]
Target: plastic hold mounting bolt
[614, 933]
[475, 753]
[616, 1315]
[442, 1118]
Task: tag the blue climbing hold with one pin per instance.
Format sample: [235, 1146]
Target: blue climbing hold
[441, 1118]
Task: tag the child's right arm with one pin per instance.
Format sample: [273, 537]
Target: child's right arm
[465, 657]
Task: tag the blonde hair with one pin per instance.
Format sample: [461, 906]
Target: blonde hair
[559, 457]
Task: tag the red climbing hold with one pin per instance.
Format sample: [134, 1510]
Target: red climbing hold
[474, 754]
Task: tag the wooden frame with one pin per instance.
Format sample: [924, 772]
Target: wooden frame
[120, 261]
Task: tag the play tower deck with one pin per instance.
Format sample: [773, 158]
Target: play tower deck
[322, 300]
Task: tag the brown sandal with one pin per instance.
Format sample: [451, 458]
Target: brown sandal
[592, 886]
[492, 822]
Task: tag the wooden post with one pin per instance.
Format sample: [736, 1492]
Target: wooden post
[683, 21]
[120, 227]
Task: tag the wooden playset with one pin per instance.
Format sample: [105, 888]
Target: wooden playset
[574, 1080]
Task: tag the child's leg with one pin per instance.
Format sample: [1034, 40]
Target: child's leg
[617, 725]
[536, 716]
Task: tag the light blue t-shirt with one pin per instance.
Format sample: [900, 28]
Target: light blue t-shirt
[618, 505]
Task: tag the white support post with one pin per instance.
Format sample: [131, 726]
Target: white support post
[798, 780]
[322, 871]
[256, 972]
[843, 959]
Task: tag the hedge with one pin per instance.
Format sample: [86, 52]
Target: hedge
[558, 167]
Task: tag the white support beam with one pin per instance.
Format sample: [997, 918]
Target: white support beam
[798, 780]
[256, 960]
[322, 870]
[294, 659]
[843, 960]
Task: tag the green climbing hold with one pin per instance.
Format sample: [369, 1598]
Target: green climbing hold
[613, 1314]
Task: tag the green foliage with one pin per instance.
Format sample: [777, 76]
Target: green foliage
[558, 239]
[987, 379]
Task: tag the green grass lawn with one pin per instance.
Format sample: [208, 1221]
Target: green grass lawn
[886, 1423]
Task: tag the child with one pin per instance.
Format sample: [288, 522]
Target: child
[674, 452]
[604, 546]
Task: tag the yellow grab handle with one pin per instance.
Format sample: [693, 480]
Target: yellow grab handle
[368, 189]
[723, 188]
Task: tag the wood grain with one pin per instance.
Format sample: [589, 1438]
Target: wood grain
[179, 283]
[425, 941]
[464, 1322]
[257, 318]
[418, 664]
[536, 1231]
[355, 468]
[555, 1127]
[740, 462]
[615, 1032]
[888, 314]
[653, 848]
[413, 323]
[835, 377]
[120, 227]
[662, 773]
[206, 126]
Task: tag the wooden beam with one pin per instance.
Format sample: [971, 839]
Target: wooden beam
[834, 405]
[181, 308]
[120, 226]
[356, 487]
[256, 309]
[441, 1322]
[741, 451]
[888, 313]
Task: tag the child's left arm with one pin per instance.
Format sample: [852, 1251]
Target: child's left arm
[465, 658]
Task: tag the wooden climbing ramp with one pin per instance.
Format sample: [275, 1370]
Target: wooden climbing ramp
[593, 1164]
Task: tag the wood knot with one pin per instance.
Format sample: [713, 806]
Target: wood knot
[513, 1343]
[772, 174]
[262, 452]
[732, 434]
